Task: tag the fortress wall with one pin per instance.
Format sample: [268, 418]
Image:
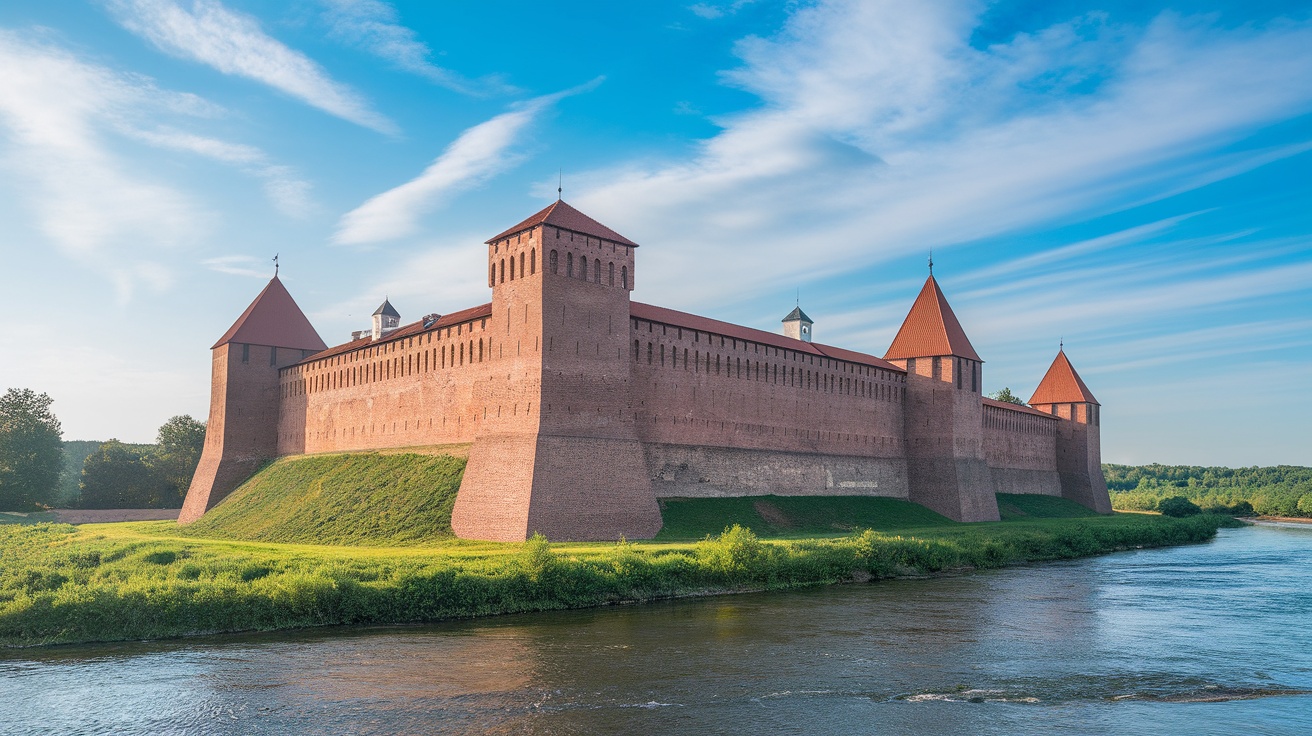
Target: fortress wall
[415, 390]
[724, 416]
[1021, 449]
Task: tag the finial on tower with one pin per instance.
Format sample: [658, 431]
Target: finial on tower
[931, 261]
[1061, 344]
[560, 183]
[275, 265]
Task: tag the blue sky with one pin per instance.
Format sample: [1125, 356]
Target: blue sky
[1135, 179]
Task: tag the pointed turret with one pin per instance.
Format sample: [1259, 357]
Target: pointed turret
[797, 325]
[931, 329]
[1063, 393]
[945, 457]
[1062, 385]
[242, 432]
[274, 320]
[386, 319]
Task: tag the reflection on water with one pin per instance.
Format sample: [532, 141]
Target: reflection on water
[1193, 640]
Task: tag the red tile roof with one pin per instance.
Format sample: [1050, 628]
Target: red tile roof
[930, 329]
[273, 319]
[1015, 407]
[404, 331]
[561, 215]
[676, 318]
[1062, 385]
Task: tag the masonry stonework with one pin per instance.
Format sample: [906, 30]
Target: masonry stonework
[584, 407]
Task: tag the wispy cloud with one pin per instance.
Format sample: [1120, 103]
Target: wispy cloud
[288, 192]
[63, 114]
[375, 26]
[479, 153]
[81, 196]
[881, 128]
[234, 43]
[236, 265]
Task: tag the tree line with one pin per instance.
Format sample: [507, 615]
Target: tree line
[38, 470]
[1282, 490]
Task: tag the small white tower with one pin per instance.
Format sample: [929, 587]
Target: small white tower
[386, 319]
[797, 325]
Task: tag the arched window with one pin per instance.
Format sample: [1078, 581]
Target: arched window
[612, 273]
[533, 261]
[648, 353]
[492, 275]
[637, 349]
[583, 268]
[596, 271]
[462, 353]
[555, 262]
[512, 267]
[624, 276]
[503, 270]
[480, 350]
[521, 265]
[569, 265]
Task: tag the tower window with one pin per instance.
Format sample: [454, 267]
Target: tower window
[512, 267]
[583, 268]
[503, 270]
[273, 356]
[245, 353]
[569, 265]
[596, 271]
[533, 261]
[612, 273]
[624, 276]
[555, 262]
[521, 265]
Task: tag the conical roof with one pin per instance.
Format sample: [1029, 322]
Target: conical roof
[273, 319]
[1062, 385]
[562, 215]
[387, 310]
[930, 329]
[797, 315]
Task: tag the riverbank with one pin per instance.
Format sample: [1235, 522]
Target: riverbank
[144, 580]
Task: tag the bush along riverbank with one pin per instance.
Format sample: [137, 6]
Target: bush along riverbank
[141, 580]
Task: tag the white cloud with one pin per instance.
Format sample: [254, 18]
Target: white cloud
[257, 268]
[881, 129]
[288, 193]
[234, 43]
[80, 195]
[374, 26]
[479, 153]
[61, 114]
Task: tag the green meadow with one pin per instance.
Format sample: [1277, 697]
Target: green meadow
[315, 542]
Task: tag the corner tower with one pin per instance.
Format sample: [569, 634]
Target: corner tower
[243, 423]
[558, 453]
[946, 466]
[797, 325]
[1063, 394]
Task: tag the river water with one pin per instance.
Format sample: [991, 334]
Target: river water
[1205, 639]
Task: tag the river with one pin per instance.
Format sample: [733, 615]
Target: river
[1204, 639]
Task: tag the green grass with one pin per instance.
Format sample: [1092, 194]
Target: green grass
[33, 518]
[1015, 506]
[363, 499]
[791, 516]
[365, 539]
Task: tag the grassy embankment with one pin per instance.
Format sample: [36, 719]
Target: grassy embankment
[247, 566]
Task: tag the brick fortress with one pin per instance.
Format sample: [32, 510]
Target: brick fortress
[583, 407]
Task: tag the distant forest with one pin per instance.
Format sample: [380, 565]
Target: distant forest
[1284, 490]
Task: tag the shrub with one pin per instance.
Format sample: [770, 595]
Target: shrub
[1178, 506]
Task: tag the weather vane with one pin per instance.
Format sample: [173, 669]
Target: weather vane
[560, 183]
[275, 264]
